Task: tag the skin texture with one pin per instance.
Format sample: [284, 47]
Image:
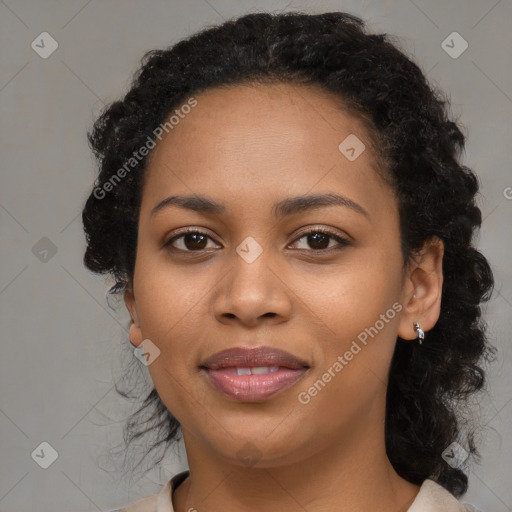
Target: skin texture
[248, 147]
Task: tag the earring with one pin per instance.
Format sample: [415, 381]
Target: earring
[419, 331]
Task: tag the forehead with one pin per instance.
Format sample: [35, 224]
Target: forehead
[270, 112]
[263, 137]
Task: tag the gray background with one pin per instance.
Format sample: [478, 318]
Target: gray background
[61, 342]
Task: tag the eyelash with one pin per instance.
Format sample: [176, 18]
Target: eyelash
[343, 242]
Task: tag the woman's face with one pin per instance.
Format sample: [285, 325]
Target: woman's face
[255, 278]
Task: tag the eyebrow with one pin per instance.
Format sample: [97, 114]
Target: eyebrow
[283, 208]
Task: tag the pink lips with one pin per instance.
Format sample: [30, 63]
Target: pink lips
[253, 374]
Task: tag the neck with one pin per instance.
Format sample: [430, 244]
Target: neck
[355, 475]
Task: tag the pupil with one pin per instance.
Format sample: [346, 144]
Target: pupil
[317, 239]
[195, 239]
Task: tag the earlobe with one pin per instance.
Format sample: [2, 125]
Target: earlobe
[135, 335]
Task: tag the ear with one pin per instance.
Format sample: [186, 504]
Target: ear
[422, 290]
[135, 330]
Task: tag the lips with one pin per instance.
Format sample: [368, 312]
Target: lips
[253, 374]
[239, 357]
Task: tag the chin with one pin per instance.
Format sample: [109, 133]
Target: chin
[261, 448]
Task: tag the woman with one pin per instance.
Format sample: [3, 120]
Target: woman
[281, 204]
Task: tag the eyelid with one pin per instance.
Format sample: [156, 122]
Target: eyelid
[319, 228]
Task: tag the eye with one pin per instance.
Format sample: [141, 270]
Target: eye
[191, 240]
[319, 240]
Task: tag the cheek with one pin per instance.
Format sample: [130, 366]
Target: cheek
[167, 295]
[168, 306]
[359, 303]
[350, 379]
[175, 314]
[351, 296]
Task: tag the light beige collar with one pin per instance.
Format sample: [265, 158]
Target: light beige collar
[434, 498]
[431, 498]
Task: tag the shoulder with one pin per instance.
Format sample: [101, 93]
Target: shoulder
[432, 497]
[147, 504]
[161, 502]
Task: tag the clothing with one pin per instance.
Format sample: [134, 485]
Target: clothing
[431, 498]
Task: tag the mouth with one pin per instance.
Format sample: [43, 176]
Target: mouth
[253, 374]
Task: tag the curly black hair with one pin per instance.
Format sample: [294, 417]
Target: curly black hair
[412, 133]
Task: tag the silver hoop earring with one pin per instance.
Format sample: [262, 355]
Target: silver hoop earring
[419, 332]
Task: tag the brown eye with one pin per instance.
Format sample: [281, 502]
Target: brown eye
[319, 240]
[191, 241]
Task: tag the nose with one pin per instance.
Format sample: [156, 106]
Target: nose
[253, 292]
